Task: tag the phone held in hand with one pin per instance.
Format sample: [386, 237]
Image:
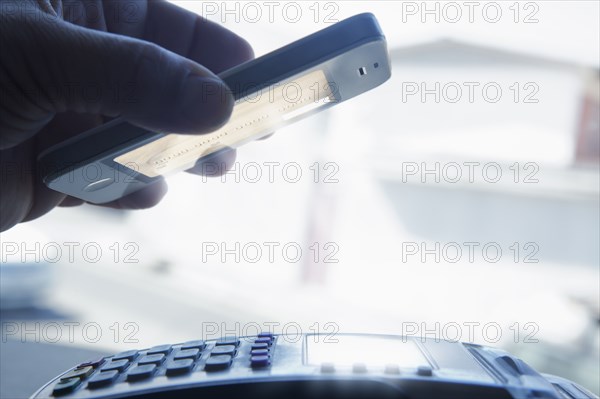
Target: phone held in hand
[312, 74]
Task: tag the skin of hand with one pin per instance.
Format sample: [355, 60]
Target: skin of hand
[68, 66]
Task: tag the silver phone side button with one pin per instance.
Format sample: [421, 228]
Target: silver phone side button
[99, 184]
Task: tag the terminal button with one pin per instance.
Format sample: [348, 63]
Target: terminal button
[129, 355]
[141, 372]
[165, 349]
[64, 387]
[199, 344]
[152, 359]
[228, 341]
[93, 363]
[265, 335]
[103, 379]
[177, 367]
[267, 341]
[187, 354]
[223, 350]
[118, 365]
[82, 372]
[259, 361]
[259, 352]
[215, 363]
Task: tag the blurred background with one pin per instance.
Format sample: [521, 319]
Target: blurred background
[460, 200]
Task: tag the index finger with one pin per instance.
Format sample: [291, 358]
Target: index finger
[180, 31]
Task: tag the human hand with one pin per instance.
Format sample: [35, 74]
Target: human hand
[68, 65]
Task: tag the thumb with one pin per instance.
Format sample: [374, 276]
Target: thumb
[64, 67]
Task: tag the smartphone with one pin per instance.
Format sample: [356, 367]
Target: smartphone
[300, 79]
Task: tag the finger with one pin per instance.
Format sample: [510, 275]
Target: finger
[178, 30]
[125, 17]
[69, 202]
[88, 13]
[146, 84]
[17, 185]
[194, 37]
[64, 126]
[145, 198]
[168, 25]
[214, 165]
